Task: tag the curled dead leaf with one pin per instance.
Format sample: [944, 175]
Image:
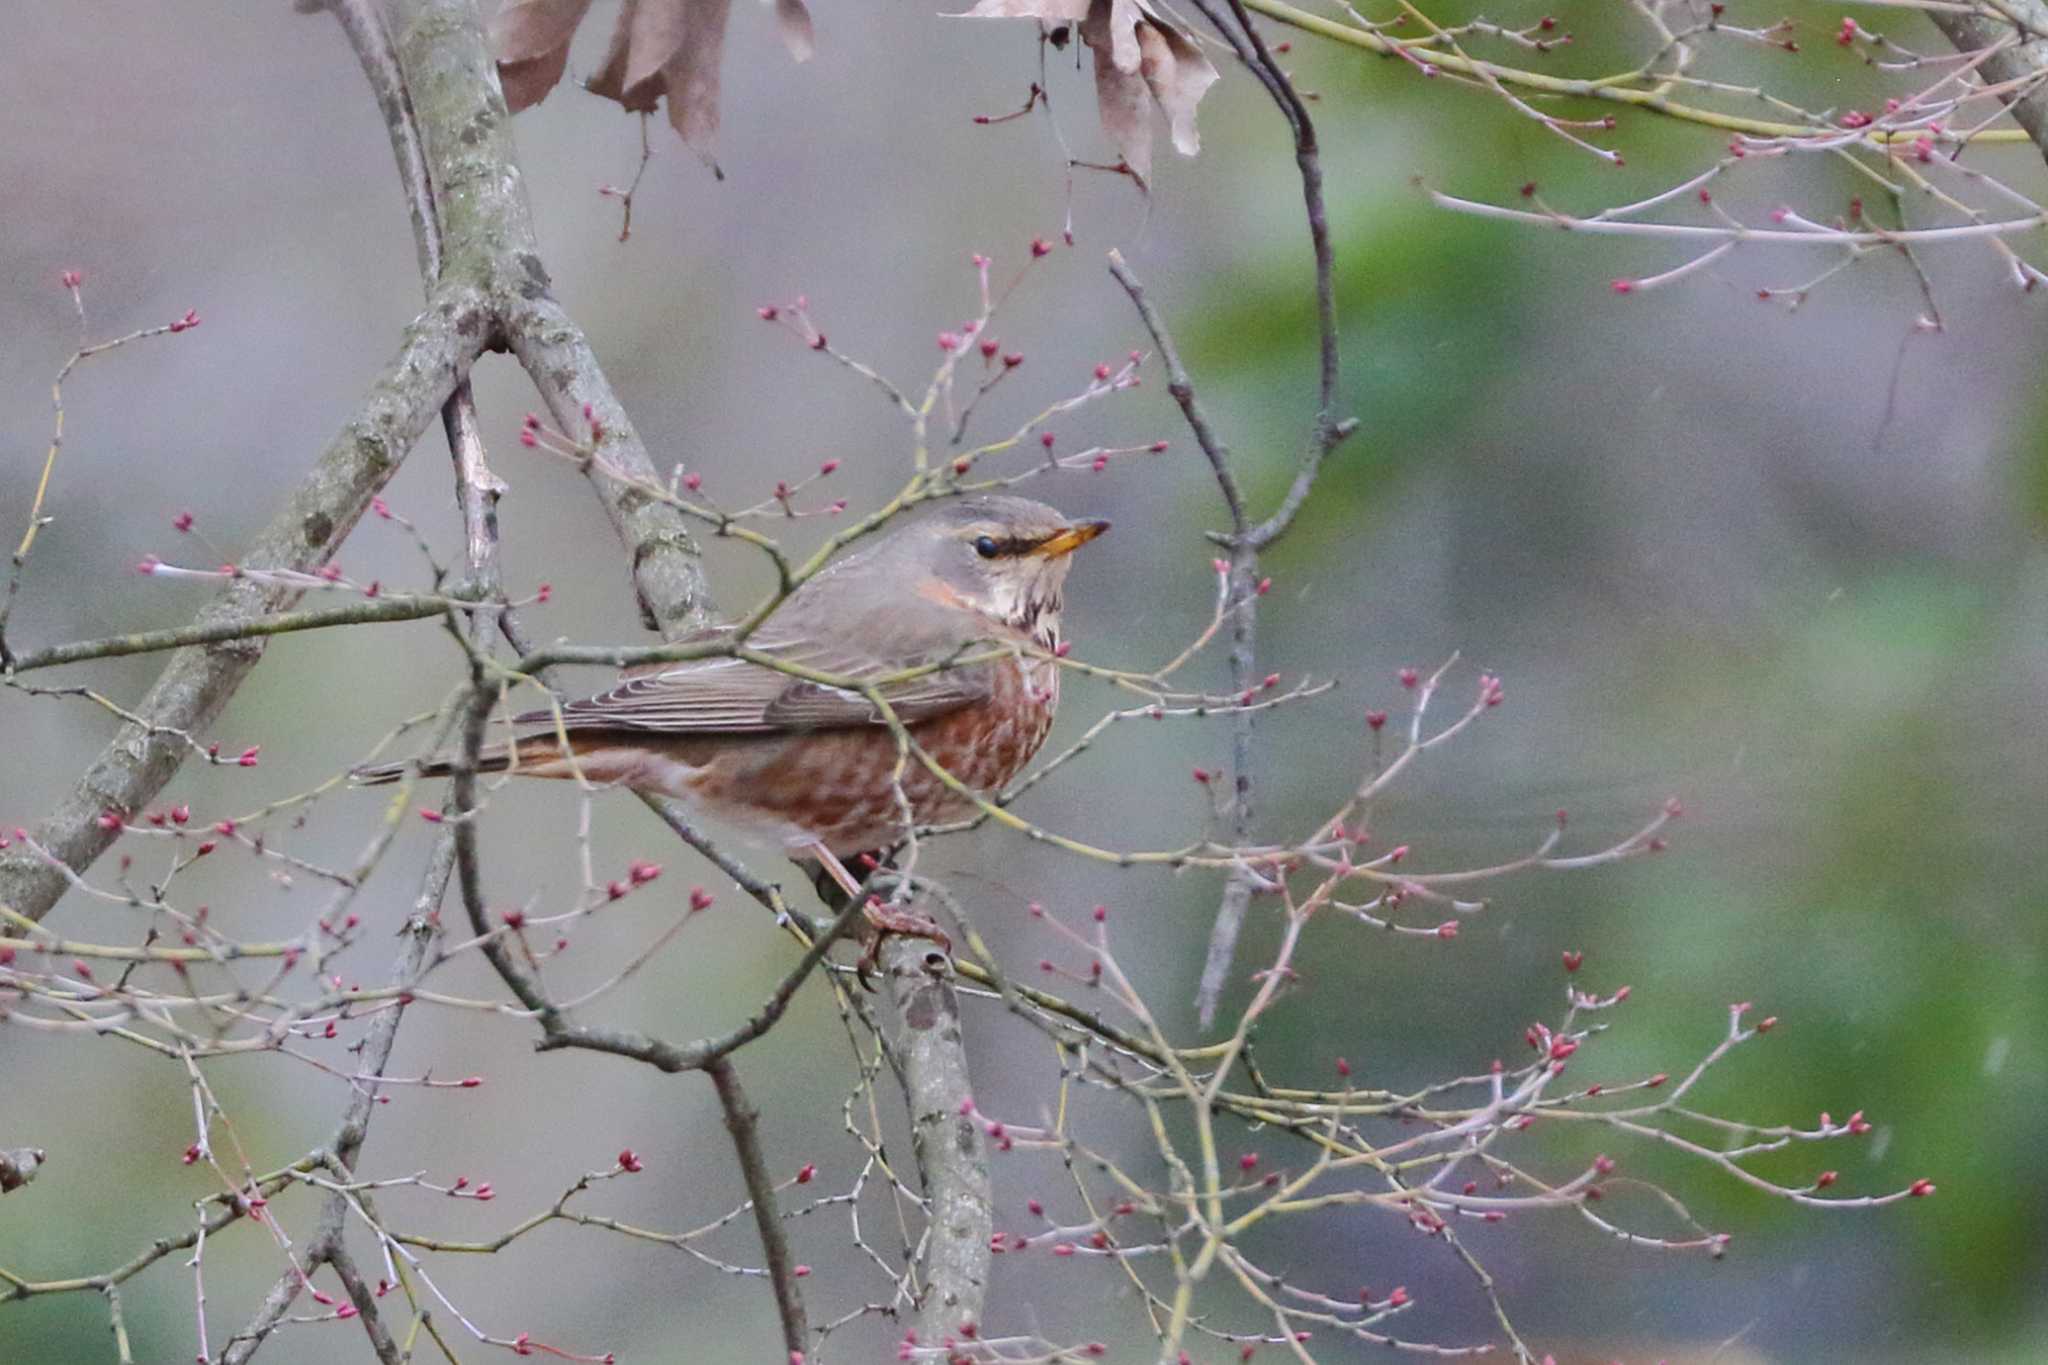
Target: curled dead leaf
[1143, 58]
[659, 48]
[18, 1167]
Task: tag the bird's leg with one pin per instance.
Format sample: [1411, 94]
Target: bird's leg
[881, 920]
[836, 870]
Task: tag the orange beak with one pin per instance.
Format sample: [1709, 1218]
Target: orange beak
[1071, 539]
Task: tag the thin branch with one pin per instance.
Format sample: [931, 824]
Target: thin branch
[742, 1121]
[376, 610]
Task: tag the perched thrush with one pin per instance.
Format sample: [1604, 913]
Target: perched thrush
[813, 766]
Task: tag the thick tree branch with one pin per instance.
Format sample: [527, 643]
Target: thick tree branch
[452, 82]
[950, 1147]
[1974, 32]
[198, 680]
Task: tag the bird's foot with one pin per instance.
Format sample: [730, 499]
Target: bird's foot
[880, 921]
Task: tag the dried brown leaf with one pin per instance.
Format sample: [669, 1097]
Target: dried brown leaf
[1051, 11]
[531, 40]
[659, 48]
[1121, 98]
[691, 75]
[795, 22]
[1142, 57]
[1178, 75]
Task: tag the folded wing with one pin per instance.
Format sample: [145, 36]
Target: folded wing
[738, 696]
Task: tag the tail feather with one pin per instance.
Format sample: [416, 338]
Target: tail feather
[378, 774]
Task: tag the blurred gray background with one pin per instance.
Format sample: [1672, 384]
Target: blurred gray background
[1786, 565]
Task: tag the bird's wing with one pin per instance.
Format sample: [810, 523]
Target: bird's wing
[737, 696]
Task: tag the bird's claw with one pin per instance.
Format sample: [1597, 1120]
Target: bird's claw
[880, 921]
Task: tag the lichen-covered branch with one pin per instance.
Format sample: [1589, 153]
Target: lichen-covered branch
[951, 1149]
[197, 682]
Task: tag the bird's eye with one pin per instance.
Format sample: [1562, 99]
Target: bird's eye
[986, 547]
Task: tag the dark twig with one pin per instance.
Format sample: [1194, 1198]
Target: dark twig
[742, 1120]
[1244, 592]
[1244, 540]
[365, 1300]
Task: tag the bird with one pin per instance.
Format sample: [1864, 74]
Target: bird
[812, 765]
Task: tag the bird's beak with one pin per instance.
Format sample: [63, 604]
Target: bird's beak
[1065, 542]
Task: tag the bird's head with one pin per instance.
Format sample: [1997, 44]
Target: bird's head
[1005, 558]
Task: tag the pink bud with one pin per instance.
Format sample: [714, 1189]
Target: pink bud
[807, 1174]
[248, 756]
[72, 278]
[1375, 719]
[700, 899]
[182, 521]
[629, 1161]
[1040, 247]
[768, 312]
[827, 467]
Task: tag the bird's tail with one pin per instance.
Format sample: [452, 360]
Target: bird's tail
[492, 760]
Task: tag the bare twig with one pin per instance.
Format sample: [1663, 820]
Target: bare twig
[741, 1121]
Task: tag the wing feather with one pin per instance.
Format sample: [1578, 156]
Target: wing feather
[738, 696]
